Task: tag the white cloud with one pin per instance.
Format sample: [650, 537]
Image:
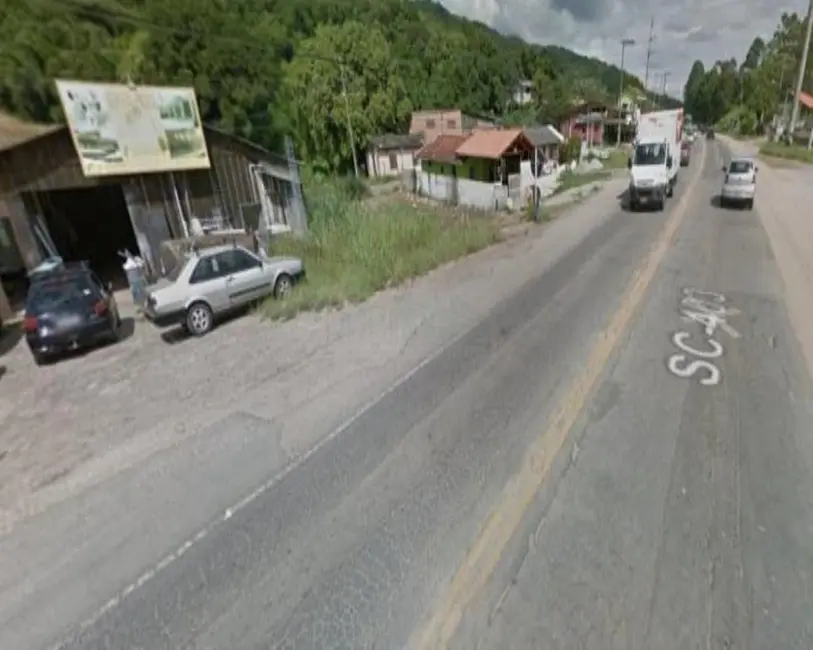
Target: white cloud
[685, 30]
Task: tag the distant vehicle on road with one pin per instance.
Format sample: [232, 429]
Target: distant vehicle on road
[710, 134]
[68, 308]
[740, 183]
[215, 281]
[685, 153]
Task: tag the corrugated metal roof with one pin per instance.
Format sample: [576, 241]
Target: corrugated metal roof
[544, 135]
[397, 141]
[442, 149]
[491, 144]
[14, 131]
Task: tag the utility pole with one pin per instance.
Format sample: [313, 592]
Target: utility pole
[794, 117]
[349, 122]
[666, 76]
[624, 43]
[649, 53]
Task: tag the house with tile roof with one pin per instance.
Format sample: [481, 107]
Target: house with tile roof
[481, 170]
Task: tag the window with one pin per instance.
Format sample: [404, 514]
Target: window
[739, 167]
[394, 162]
[59, 293]
[650, 154]
[451, 124]
[471, 173]
[236, 260]
[207, 269]
[430, 124]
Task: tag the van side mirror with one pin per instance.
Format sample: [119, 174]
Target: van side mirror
[724, 168]
[629, 163]
[669, 161]
[110, 287]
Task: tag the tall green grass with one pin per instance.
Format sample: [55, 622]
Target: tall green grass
[787, 152]
[354, 249]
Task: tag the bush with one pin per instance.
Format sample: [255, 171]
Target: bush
[353, 250]
[571, 150]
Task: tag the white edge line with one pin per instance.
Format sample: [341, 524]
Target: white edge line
[295, 463]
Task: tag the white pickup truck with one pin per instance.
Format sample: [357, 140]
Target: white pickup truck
[655, 159]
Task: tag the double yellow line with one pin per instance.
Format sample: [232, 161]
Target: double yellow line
[505, 519]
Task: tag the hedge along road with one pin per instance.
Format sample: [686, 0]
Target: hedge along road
[685, 519]
[358, 541]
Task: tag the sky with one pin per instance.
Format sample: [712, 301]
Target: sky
[685, 30]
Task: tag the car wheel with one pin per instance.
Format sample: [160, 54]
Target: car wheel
[199, 319]
[40, 359]
[283, 286]
[750, 204]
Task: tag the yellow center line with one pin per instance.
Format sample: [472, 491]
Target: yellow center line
[505, 519]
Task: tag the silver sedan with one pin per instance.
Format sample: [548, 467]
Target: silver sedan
[216, 281]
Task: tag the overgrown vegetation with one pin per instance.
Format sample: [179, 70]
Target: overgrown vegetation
[355, 249]
[787, 152]
[266, 68]
[571, 180]
[743, 98]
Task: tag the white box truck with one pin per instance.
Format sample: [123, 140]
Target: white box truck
[655, 159]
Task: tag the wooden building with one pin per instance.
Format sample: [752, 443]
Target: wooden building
[49, 207]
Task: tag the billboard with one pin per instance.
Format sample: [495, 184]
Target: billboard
[123, 129]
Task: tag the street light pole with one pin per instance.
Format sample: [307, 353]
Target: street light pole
[794, 117]
[624, 43]
[666, 76]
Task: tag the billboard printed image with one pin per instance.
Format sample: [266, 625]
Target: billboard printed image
[120, 129]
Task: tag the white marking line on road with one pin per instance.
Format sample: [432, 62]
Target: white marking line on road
[297, 462]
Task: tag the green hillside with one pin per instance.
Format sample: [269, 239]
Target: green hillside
[263, 68]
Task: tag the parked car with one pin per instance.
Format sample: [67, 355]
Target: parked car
[209, 283]
[68, 308]
[685, 153]
[740, 183]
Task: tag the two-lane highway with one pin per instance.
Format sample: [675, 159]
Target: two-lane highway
[686, 520]
[619, 455]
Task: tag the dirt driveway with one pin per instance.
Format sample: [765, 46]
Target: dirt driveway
[73, 424]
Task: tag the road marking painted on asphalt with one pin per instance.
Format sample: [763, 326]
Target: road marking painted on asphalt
[505, 519]
[709, 309]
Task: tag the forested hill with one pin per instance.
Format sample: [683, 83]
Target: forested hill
[263, 68]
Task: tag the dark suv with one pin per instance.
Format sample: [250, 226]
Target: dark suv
[710, 134]
[68, 308]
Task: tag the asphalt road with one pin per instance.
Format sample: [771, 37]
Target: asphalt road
[675, 514]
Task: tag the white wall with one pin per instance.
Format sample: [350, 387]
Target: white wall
[435, 186]
[378, 163]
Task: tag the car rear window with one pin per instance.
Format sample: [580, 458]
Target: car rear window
[58, 293]
[739, 167]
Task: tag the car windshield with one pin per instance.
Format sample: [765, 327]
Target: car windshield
[58, 293]
[650, 154]
[739, 167]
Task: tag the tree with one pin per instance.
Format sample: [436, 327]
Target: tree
[376, 99]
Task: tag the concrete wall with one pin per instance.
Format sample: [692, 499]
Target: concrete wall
[379, 163]
[436, 186]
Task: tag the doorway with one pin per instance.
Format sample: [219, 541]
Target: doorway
[90, 224]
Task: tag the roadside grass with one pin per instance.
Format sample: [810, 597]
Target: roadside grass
[571, 180]
[354, 250]
[788, 152]
[616, 160]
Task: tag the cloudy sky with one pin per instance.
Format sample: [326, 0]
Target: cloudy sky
[685, 30]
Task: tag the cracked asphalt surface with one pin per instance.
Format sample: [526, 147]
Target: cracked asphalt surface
[678, 515]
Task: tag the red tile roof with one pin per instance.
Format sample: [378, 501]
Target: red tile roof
[442, 149]
[491, 144]
[806, 100]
